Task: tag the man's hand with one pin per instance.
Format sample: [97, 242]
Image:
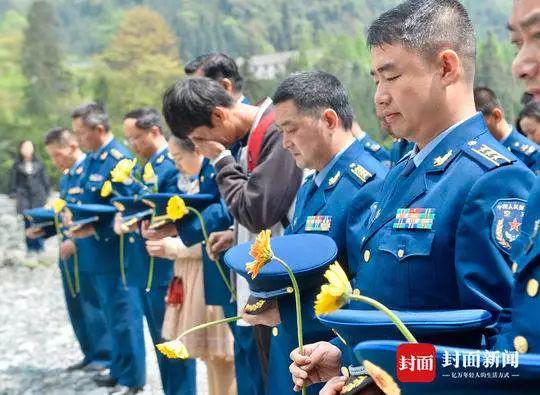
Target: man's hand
[119, 228]
[164, 248]
[85, 231]
[219, 242]
[67, 249]
[334, 386]
[167, 230]
[321, 361]
[209, 149]
[34, 233]
[268, 317]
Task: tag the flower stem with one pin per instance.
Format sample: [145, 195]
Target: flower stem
[62, 262]
[151, 268]
[394, 318]
[298, 308]
[209, 324]
[216, 261]
[76, 268]
[122, 265]
[150, 275]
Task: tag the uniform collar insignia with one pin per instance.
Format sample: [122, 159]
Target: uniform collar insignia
[332, 180]
[440, 160]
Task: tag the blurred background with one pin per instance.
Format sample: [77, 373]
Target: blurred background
[57, 54]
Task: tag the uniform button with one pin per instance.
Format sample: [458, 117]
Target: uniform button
[520, 344]
[367, 255]
[514, 267]
[532, 287]
[400, 253]
[290, 290]
[132, 239]
[93, 189]
[275, 331]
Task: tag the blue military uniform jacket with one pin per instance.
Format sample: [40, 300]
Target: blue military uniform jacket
[137, 258]
[375, 149]
[216, 218]
[70, 190]
[100, 254]
[399, 148]
[325, 210]
[524, 335]
[440, 234]
[525, 150]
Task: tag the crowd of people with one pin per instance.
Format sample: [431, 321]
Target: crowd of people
[438, 223]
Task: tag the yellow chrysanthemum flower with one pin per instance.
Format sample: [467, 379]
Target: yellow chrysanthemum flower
[149, 176]
[58, 204]
[334, 294]
[173, 349]
[122, 170]
[176, 208]
[261, 251]
[383, 380]
[106, 189]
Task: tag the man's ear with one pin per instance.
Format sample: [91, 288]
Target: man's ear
[451, 67]
[100, 129]
[218, 116]
[497, 114]
[155, 130]
[330, 118]
[227, 84]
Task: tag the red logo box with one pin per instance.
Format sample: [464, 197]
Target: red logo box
[416, 363]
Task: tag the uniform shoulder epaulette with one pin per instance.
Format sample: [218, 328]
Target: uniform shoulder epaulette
[372, 146]
[360, 173]
[486, 154]
[527, 149]
[116, 154]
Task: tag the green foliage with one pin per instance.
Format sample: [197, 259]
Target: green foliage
[124, 53]
[137, 66]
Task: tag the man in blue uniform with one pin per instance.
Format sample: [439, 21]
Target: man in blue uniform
[489, 105]
[440, 235]
[99, 253]
[83, 309]
[315, 118]
[143, 132]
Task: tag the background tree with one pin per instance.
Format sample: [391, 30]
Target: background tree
[41, 61]
[140, 62]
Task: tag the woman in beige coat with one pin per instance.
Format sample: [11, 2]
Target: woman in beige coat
[186, 306]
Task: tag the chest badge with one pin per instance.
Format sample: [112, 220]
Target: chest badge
[414, 218]
[318, 223]
[507, 218]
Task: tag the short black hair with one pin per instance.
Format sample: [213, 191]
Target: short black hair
[92, 115]
[183, 142]
[145, 118]
[189, 103]
[531, 110]
[314, 91]
[486, 100]
[216, 65]
[60, 136]
[426, 27]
